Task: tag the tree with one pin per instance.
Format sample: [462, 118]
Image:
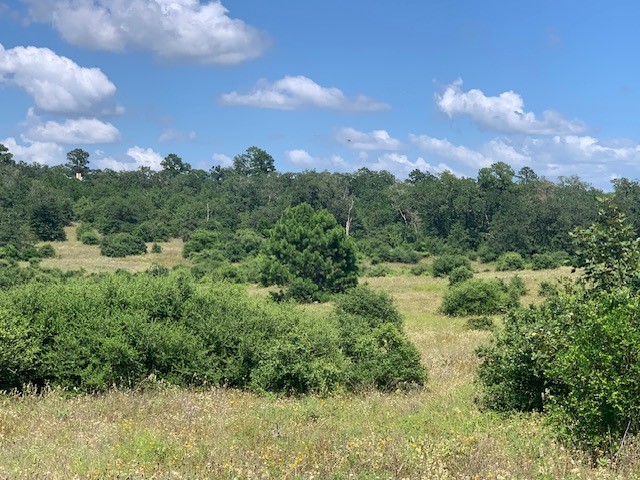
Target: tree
[77, 160]
[6, 157]
[309, 254]
[174, 165]
[254, 161]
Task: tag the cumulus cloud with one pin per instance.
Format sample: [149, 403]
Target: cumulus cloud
[44, 153]
[504, 113]
[375, 140]
[80, 131]
[145, 158]
[303, 158]
[401, 166]
[184, 30]
[291, 93]
[444, 148]
[56, 84]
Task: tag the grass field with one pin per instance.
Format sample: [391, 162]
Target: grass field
[158, 431]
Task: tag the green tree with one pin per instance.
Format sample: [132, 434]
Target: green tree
[174, 165]
[6, 157]
[254, 161]
[78, 161]
[309, 254]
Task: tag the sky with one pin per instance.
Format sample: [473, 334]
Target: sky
[333, 85]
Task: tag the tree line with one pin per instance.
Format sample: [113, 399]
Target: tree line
[499, 211]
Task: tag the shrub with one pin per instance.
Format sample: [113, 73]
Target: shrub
[155, 248]
[460, 274]
[510, 261]
[89, 334]
[153, 231]
[576, 355]
[200, 240]
[480, 323]
[477, 297]
[516, 286]
[88, 235]
[46, 251]
[121, 245]
[419, 269]
[444, 264]
[372, 338]
[380, 270]
[544, 261]
[377, 307]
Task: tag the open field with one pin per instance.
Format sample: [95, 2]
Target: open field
[159, 431]
[73, 255]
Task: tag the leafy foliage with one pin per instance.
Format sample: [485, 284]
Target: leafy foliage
[460, 274]
[478, 297]
[444, 264]
[577, 355]
[88, 334]
[121, 245]
[510, 261]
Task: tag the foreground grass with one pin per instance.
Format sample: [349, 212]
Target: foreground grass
[435, 433]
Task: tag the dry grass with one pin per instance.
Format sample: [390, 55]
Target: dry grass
[74, 255]
[433, 433]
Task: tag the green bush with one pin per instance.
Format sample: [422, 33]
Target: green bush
[576, 356]
[153, 231]
[419, 269]
[444, 264]
[89, 334]
[516, 286]
[376, 307]
[372, 338]
[88, 235]
[200, 240]
[480, 323]
[155, 248]
[46, 251]
[510, 261]
[122, 245]
[478, 297]
[460, 274]
[380, 270]
[544, 261]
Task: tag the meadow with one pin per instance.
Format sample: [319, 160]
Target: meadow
[159, 431]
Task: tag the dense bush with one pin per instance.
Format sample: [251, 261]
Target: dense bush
[544, 261]
[419, 269]
[478, 297]
[480, 323]
[89, 334]
[199, 241]
[88, 235]
[371, 337]
[510, 261]
[444, 264]
[577, 355]
[122, 245]
[153, 231]
[460, 274]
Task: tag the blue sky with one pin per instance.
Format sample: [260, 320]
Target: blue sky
[438, 85]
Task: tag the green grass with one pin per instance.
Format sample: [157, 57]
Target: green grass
[437, 432]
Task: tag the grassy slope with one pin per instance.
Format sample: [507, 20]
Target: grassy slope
[161, 432]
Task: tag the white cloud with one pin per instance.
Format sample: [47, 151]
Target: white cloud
[74, 131]
[291, 93]
[173, 135]
[56, 84]
[145, 158]
[444, 148]
[222, 160]
[44, 153]
[184, 30]
[304, 158]
[401, 166]
[504, 113]
[375, 140]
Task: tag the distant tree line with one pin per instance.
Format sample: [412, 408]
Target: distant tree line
[499, 211]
